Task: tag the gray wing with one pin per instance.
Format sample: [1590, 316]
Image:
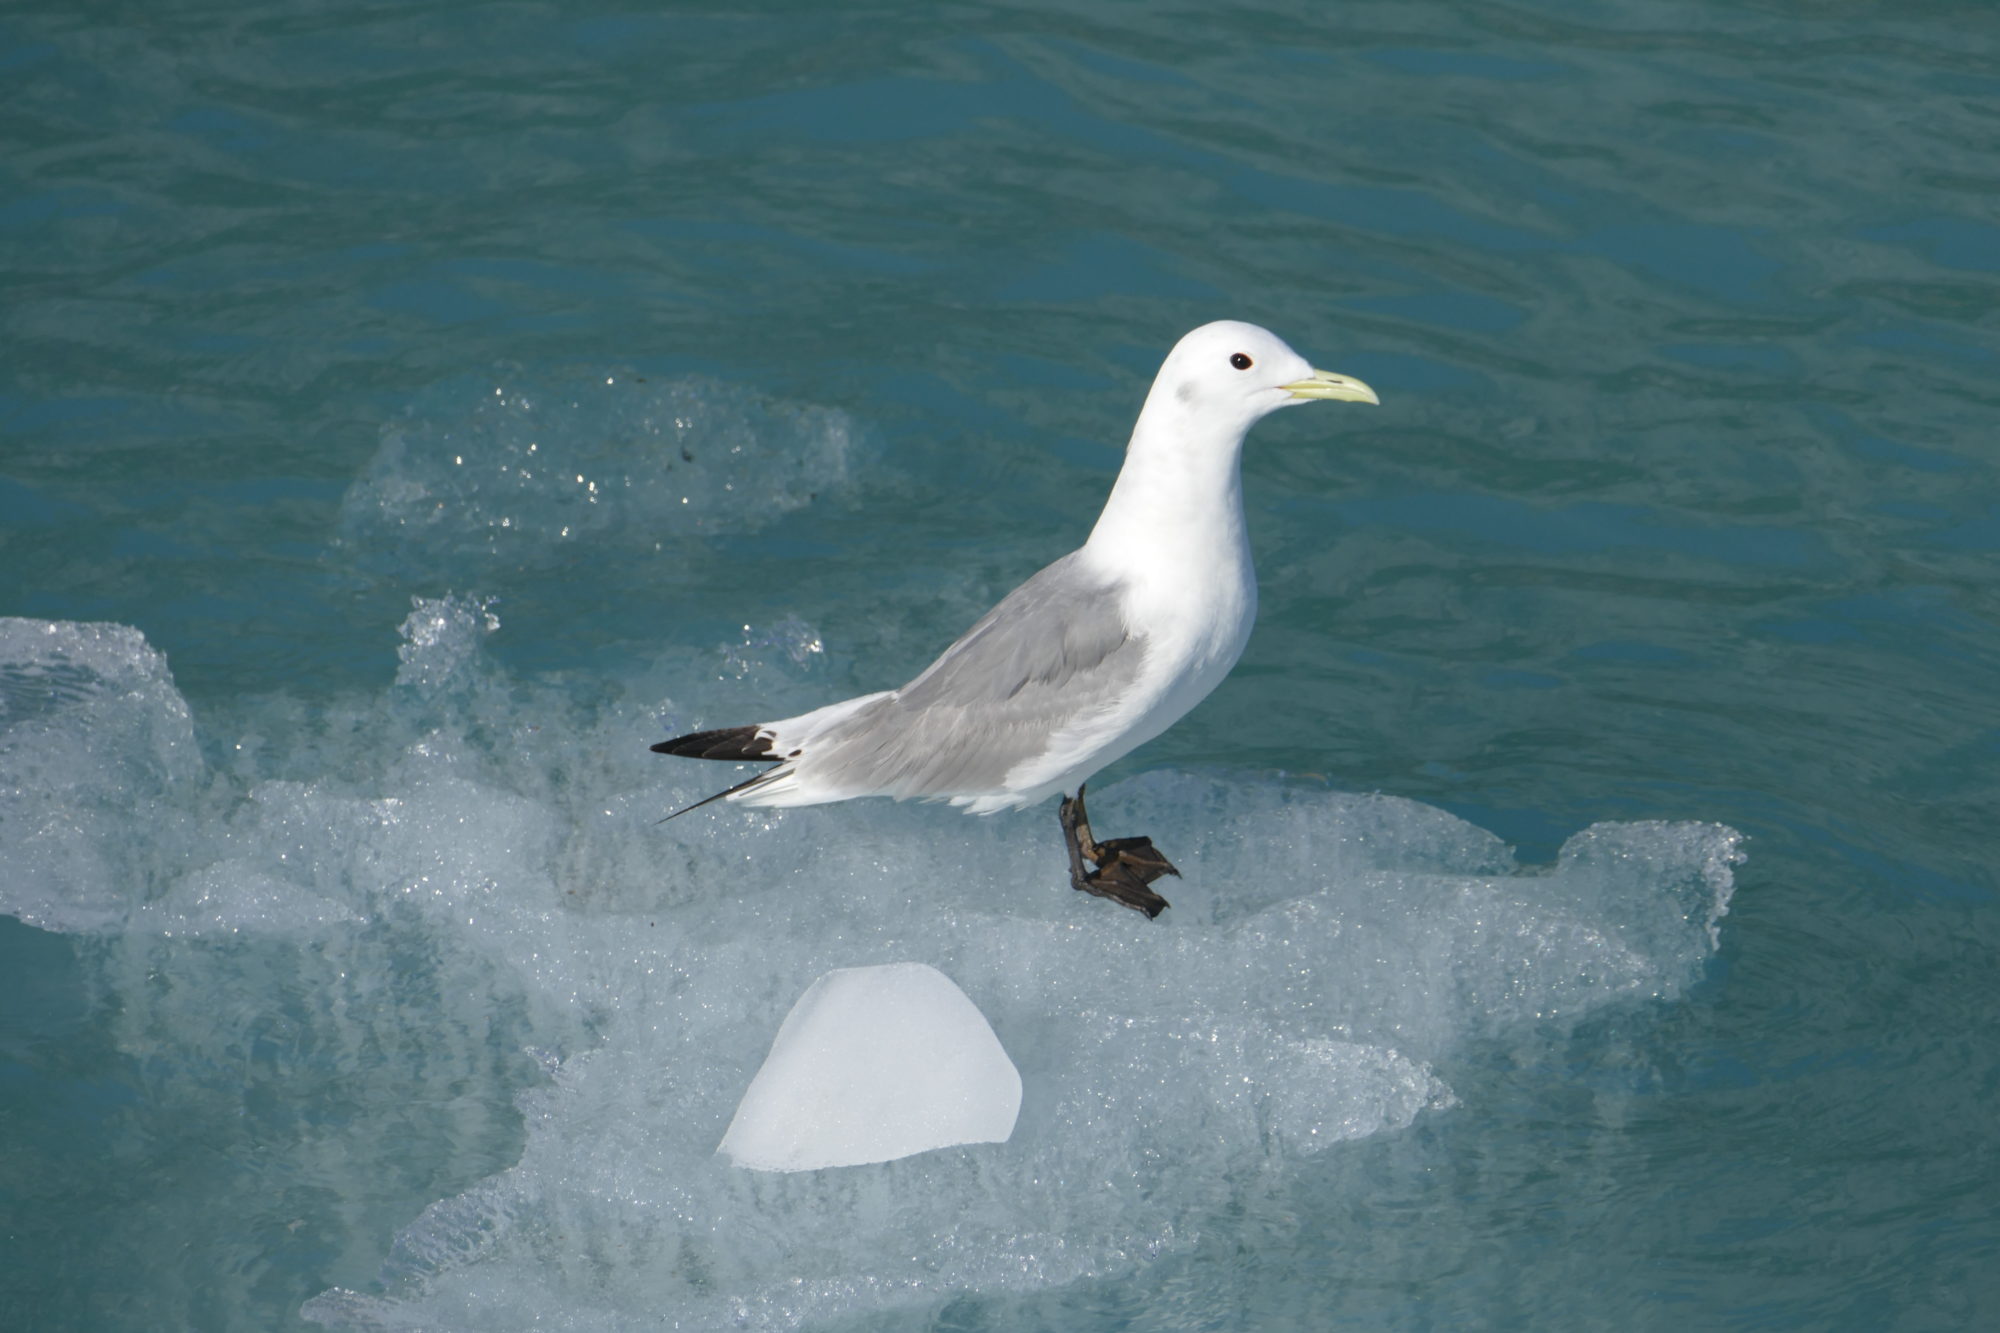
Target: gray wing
[1055, 649]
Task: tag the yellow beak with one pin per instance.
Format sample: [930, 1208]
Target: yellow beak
[1326, 384]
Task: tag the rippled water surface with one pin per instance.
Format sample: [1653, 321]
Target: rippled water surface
[409, 413]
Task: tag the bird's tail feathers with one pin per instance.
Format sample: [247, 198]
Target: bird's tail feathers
[785, 742]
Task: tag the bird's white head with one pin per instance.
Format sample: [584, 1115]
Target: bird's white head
[1228, 374]
[1179, 496]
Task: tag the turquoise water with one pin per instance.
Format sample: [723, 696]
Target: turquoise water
[447, 401]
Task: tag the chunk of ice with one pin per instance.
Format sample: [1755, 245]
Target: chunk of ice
[873, 1064]
[400, 889]
[97, 751]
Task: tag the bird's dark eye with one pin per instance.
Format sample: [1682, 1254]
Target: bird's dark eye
[1240, 361]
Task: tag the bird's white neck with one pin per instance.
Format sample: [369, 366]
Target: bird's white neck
[1178, 498]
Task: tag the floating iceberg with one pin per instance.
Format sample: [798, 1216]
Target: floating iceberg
[450, 896]
[873, 1064]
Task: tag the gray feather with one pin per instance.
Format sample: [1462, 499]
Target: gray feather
[1055, 649]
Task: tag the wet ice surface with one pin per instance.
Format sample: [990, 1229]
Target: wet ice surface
[94, 742]
[467, 844]
[401, 891]
[871, 1065]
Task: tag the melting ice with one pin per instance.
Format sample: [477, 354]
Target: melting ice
[465, 845]
[873, 1064]
[1231, 1038]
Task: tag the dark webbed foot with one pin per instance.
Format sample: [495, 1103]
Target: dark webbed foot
[1125, 866]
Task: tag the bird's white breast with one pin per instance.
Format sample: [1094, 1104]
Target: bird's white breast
[1193, 605]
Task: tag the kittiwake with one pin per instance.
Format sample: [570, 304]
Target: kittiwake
[1093, 656]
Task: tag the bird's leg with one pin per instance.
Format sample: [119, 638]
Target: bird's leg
[1125, 866]
[1076, 839]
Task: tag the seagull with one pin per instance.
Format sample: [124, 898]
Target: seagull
[1089, 659]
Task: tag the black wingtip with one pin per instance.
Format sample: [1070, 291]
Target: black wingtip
[731, 743]
[738, 744]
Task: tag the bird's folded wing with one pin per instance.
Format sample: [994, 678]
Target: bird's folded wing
[1054, 654]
